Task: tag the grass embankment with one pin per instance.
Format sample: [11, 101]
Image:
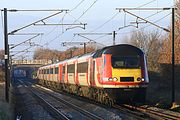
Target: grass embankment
[159, 92]
[6, 111]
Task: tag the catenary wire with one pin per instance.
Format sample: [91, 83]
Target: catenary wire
[77, 5]
[104, 23]
[86, 11]
[115, 16]
[64, 16]
[145, 26]
[146, 3]
[100, 37]
[73, 22]
[53, 29]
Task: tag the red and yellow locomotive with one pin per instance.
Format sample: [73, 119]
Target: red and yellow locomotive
[108, 75]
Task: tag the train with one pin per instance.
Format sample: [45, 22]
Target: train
[109, 75]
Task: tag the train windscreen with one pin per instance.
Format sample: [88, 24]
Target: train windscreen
[125, 61]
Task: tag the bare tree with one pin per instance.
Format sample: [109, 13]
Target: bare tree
[54, 55]
[1, 54]
[41, 53]
[150, 42]
[177, 11]
[166, 49]
[166, 52]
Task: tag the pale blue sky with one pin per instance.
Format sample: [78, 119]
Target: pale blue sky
[99, 13]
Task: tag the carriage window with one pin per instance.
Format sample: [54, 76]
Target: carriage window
[63, 71]
[125, 61]
[82, 67]
[51, 71]
[48, 71]
[56, 70]
[71, 68]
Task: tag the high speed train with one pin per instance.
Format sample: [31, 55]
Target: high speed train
[108, 75]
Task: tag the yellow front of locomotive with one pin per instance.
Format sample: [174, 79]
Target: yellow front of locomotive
[124, 71]
[128, 70]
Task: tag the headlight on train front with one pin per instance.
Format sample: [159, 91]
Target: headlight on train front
[110, 79]
[115, 79]
[140, 79]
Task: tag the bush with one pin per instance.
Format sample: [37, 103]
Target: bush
[2, 75]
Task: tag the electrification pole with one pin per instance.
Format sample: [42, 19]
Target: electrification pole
[173, 88]
[6, 56]
[84, 48]
[114, 34]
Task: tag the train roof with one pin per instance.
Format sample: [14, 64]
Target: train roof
[55, 64]
[69, 60]
[125, 48]
[116, 49]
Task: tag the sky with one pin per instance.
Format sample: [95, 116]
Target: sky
[100, 16]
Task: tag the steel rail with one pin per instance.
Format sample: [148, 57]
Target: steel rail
[56, 111]
[85, 112]
[134, 114]
[59, 114]
[161, 114]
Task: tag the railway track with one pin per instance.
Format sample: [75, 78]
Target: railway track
[135, 114]
[139, 113]
[84, 112]
[56, 112]
[48, 106]
[51, 99]
[54, 103]
[155, 113]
